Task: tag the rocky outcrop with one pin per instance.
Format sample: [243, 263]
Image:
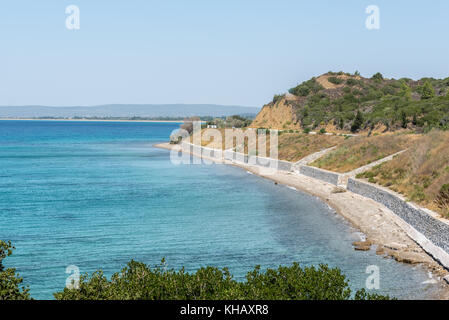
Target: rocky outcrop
[362, 245]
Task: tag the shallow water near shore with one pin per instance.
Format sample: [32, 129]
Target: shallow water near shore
[96, 195]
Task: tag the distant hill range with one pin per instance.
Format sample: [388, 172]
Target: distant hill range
[127, 111]
[349, 102]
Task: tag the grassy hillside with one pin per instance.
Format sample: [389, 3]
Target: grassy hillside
[295, 146]
[349, 102]
[421, 173]
[359, 151]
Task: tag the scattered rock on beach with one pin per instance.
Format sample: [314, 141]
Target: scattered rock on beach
[338, 190]
[380, 250]
[407, 257]
[396, 246]
[446, 278]
[362, 245]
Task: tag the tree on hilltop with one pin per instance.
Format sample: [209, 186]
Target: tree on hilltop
[428, 92]
[378, 76]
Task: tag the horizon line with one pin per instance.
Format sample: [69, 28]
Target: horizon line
[130, 104]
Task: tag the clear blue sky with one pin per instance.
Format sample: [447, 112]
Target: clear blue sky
[237, 52]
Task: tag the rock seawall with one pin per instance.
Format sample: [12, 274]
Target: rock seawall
[320, 174]
[233, 156]
[202, 151]
[258, 161]
[428, 231]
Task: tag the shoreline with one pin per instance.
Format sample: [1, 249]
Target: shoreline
[92, 120]
[382, 228]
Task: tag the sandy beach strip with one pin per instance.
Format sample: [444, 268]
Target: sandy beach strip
[380, 225]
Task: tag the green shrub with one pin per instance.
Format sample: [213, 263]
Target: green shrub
[404, 120]
[418, 194]
[10, 282]
[335, 80]
[138, 281]
[389, 89]
[442, 198]
[358, 121]
[305, 88]
[378, 76]
[427, 91]
[277, 97]
[352, 82]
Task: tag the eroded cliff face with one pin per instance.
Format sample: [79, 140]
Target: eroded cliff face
[279, 115]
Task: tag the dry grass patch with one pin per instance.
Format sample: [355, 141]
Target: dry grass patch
[295, 146]
[209, 140]
[421, 173]
[357, 152]
[216, 139]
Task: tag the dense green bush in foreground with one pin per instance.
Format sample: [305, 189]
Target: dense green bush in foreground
[10, 282]
[138, 281]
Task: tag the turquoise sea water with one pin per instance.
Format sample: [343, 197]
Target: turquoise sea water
[98, 194]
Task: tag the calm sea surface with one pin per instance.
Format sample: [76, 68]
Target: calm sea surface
[98, 194]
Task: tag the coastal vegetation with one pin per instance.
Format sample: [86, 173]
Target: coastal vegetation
[222, 123]
[188, 124]
[235, 121]
[351, 103]
[138, 281]
[11, 287]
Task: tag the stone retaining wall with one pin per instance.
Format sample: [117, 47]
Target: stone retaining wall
[258, 161]
[230, 155]
[431, 233]
[202, 151]
[320, 174]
